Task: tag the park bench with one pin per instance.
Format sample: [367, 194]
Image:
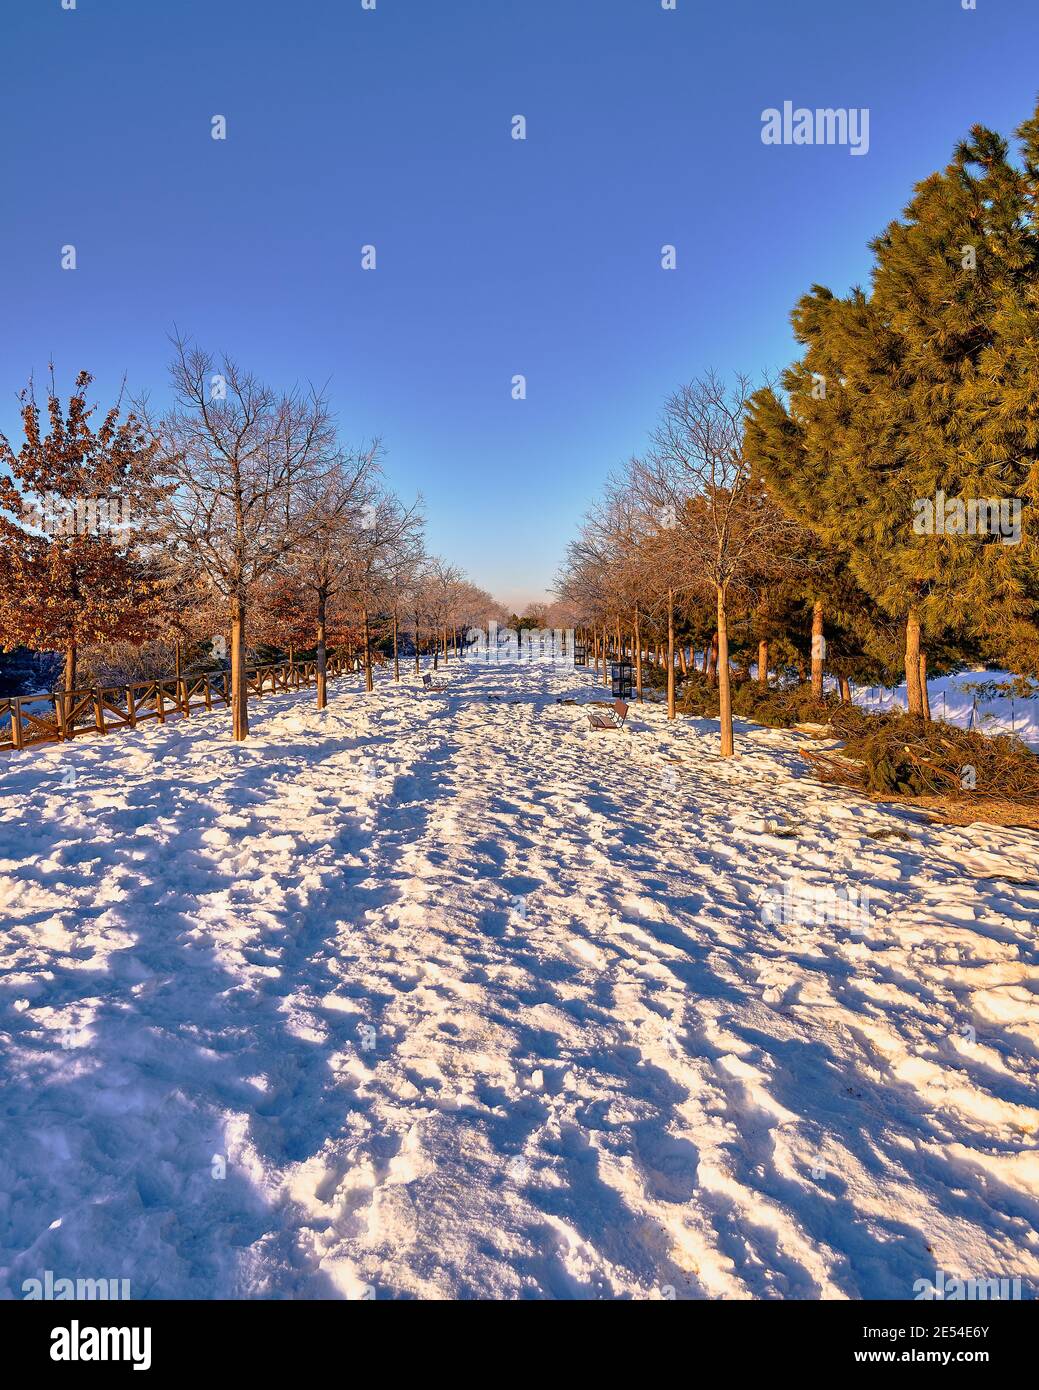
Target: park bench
[428, 683]
[611, 718]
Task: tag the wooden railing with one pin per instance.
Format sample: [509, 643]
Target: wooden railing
[28, 720]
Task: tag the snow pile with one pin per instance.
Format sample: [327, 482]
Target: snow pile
[447, 995]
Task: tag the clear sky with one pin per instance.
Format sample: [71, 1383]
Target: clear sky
[495, 257]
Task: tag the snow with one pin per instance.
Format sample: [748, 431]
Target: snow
[448, 996]
[953, 701]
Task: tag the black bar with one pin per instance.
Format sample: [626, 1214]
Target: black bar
[775, 1337]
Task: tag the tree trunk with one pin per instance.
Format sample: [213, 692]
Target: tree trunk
[368, 682]
[239, 693]
[818, 649]
[681, 660]
[914, 695]
[711, 657]
[605, 663]
[638, 656]
[418, 644]
[724, 693]
[396, 654]
[322, 650]
[845, 687]
[925, 699]
[670, 655]
[69, 678]
[762, 663]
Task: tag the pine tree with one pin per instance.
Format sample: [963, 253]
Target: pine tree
[917, 394]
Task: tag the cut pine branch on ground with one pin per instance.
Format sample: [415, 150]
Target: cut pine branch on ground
[897, 755]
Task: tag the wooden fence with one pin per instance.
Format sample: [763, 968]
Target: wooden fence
[28, 720]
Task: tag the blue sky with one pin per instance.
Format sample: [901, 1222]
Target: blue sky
[495, 257]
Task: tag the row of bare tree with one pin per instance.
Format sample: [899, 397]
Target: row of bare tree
[248, 517]
[686, 525]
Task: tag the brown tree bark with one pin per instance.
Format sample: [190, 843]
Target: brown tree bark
[368, 682]
[396, 654]
[925, 699]
[914, 695]
[322, 651]
[845, 687]
[638, 655]
[69, 680]
[818, 649]
[724, 693]
[670, 654]
[762, 663]
[712, 657]
[239, 692]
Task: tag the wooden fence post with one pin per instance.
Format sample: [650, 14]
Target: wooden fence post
[131, 713]
[99, 710]
[16, 723]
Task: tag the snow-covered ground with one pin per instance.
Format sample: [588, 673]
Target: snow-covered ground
[954, 701]
[961, 699]
[446, 995]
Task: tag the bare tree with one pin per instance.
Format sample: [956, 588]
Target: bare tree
[403, 569]
[623, 523]
[438, 592]
[725, 527]
[475, 607]
[243, 461]
[386, 525]
[326, 563]
[585, 583]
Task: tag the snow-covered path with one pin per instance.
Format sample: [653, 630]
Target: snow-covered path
[597, 1070]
